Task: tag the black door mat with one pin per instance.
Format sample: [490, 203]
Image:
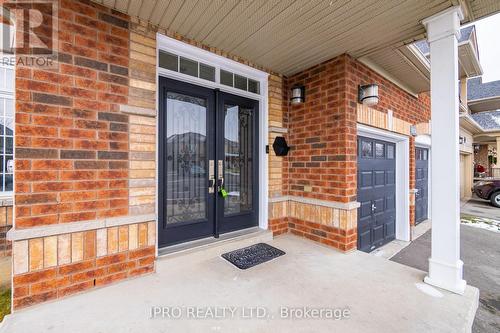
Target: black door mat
[252, 255]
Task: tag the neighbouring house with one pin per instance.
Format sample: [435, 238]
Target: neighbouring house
[153, 110]
[484, 105]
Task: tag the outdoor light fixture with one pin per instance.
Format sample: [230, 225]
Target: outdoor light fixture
[298, 95]
[368, 94]
[413, 130]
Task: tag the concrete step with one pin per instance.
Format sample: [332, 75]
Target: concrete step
[236, 239]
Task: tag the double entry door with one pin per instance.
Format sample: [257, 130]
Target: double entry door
[208, 162]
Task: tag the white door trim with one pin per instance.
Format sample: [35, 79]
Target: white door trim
[192, 52]
[402, 175]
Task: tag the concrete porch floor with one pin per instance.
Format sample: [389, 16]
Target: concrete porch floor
[382, 296]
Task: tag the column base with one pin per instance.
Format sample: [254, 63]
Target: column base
[446, 276]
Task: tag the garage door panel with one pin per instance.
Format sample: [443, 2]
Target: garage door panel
[378, 234]
[376, 193]
[421, 184]
[390, 229]
[391, 177]
[365, 209]
[366, 179]
[379, 178]
[390, 202]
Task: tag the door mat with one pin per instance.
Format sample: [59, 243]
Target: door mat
[252, 255]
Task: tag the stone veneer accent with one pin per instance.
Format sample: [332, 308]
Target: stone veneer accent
[51, 267]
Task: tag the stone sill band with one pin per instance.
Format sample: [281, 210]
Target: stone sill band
[135, 110]
[66, 228]
[331, 204]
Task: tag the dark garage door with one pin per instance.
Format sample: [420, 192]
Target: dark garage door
[421, 184]
[376, 193]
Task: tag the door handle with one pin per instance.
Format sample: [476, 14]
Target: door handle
[220, 170]
[373, 207]
[211, 176]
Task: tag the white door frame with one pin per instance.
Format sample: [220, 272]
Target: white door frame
[424, 141]
[194, 53]
[402, 175]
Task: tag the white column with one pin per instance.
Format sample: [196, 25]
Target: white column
[445, 266]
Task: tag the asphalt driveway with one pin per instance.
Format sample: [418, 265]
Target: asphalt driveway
[480, 252]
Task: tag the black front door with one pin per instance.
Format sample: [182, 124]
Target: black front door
[421, 184]
[376, 193]
[208, 162]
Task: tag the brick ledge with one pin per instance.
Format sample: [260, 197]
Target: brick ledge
[58, 229]
[331, 204]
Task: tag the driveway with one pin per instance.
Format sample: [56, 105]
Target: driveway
[480, 252]
[197, 292]
[481, 208]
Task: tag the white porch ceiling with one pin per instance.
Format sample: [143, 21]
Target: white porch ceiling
[288, 36]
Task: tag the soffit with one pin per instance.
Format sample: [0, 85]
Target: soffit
[288, 36]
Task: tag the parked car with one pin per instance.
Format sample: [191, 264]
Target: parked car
[488, 190]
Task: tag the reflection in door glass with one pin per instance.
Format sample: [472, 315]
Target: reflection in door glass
[186, 154]
[238, 163]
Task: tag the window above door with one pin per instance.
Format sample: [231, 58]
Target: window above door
[185, 62]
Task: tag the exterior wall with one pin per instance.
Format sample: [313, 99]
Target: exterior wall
[76, 222]
[322, 185]
[481, 157]
[85, 207]
[396, 111]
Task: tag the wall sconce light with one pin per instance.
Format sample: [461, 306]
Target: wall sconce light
[298, 95]
[368, 94]
[413, 130]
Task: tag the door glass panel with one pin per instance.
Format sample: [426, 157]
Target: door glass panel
[186, 158]
[238, 163]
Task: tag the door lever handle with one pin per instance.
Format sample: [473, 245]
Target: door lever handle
[373, 207]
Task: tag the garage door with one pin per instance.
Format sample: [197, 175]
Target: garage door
[376, 193]
[421, 184]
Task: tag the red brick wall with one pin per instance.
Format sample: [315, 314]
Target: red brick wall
[322, 133]
[71, 143]
[72, 162]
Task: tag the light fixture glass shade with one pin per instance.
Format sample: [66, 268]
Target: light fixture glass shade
[368, 94]
[297, 95]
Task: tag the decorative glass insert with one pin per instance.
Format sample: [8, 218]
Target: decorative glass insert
[207, 72]
[425, 153]
[366, 149]
[390, 152]
[186, 158]
[6, 143]
[379, 150]
[189, 67]
[238, 163]
[226, 78]
[169, 61]
[240, 82]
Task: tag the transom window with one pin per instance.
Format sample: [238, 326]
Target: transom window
[184, 65]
